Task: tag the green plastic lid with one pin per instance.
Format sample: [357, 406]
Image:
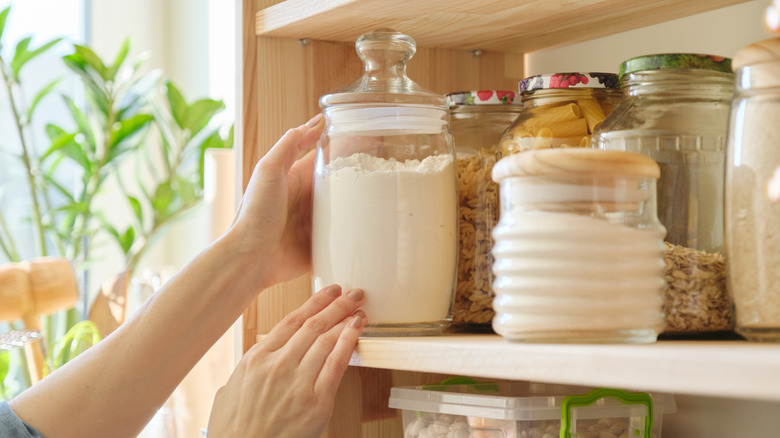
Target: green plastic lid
[667, 61]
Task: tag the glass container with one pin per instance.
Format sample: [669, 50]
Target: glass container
[477, 120]
[385, 194]
[753, 193]
[579, 248]
[675, 110]
[561, 110]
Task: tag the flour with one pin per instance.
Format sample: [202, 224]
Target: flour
[389, 228]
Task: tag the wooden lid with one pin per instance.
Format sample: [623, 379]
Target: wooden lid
[757, 53]
[575, 161]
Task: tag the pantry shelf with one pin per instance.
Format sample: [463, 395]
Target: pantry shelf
[736, 369]
[500, 25]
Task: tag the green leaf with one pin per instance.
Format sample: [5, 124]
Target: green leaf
[90, 59]
[186, 190]
[50, 179]
[212, 141]
[138, 94]
[120, 58]
[229, 139]
[5, 355]
[135, 204]
[200, 113]
[162, 199]
[108, 227]
[3, 18]
[177, 104]
[67, 145]
[129, 127]
[127, 239]
[81, 121]
[40, 95]
[23, 55]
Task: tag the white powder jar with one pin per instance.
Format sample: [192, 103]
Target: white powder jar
[385, 194]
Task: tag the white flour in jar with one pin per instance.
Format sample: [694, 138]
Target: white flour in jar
[389, 228]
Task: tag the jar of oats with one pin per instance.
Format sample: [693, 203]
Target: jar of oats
[477, 120]
[752, 195]
[561, 110]
[675, 110]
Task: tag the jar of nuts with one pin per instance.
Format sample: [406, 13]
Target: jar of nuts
[561, 110]
[675, 110]
[477, 120]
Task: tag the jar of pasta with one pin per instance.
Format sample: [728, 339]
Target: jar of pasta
[753, 192]
[579, 248]
[477, 120]
[561, 110]
[675, 110]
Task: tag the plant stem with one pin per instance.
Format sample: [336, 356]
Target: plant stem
[36, 213]
[10, 248]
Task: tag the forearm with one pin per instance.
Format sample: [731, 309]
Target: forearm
[114, 388]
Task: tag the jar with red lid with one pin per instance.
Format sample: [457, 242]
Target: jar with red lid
[561, 110]
[477, 120]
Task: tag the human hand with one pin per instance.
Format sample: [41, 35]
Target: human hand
[285, 385]
[273, 224]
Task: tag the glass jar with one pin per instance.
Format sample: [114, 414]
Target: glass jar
[752, 177]
[675, 110]
[385, 208]
[561, 110]
[477, 120]
[579, 248]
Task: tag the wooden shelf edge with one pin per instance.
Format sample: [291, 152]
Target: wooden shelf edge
[732, 369]
[503, 26]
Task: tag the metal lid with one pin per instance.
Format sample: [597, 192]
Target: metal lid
[569, 80]
[481, 97]
[575, 161]
[667, 61]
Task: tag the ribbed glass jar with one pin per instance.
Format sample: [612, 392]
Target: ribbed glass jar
[578, 249]
[477, 120]
[675, 110]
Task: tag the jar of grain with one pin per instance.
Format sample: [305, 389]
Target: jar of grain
[477, 120]
[578, 249]
[675, 110]
[561, 110]
[752, 177]
[385, 207]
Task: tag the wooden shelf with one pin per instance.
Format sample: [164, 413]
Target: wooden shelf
[501, 25]
[738, 369]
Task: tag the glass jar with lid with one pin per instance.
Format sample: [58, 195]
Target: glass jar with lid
[753, 192]
[477, 120]
[675, 110]
[385, 194]
[561, 110]
[579, 248]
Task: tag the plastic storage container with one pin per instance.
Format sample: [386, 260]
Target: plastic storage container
[561, 110]
[578, 249]
[385, 209]
[675, 110]
[477, 120]
[753, 193]
[523, 410]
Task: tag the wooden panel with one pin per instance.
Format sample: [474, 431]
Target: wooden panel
[500, 25]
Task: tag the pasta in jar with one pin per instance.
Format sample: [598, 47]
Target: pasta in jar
[561, 110]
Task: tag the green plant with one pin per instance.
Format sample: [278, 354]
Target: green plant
[130, 117]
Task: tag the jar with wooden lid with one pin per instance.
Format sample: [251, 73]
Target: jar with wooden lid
[477, 120]
[753, 192]
[675, 110]
[561, 110]
[579, 248]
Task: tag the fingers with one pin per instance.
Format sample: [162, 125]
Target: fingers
[325, 345]
[283, 331]
[332, 369]
[314, 327]
[292, 145]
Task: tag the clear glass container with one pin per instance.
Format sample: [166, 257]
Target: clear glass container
[477, 120]
[753, 193]
[675, 110]
[385, 208]
[579, 248]
[561, 110]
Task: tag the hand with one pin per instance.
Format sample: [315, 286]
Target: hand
[273, 223]
[285, 385]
